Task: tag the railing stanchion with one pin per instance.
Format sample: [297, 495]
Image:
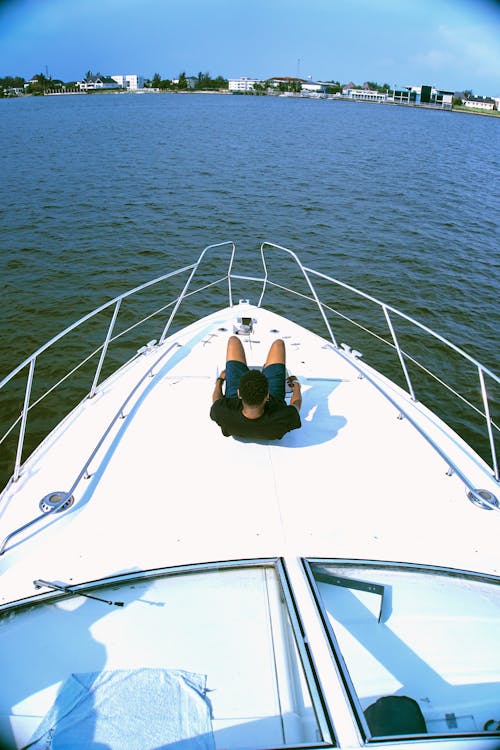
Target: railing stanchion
[488, 423]
[188, 282]
[229, 272]
[400, 353]
[22, 429]
[309, 283]
[105, 349]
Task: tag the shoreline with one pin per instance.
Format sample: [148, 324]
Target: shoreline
[432, 107]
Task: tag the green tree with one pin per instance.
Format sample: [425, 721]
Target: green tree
[40, 84]
[183, 84]
[220, 83]
[156, 80]
[203, 81]
[12, 82]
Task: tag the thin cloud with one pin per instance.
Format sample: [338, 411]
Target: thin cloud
[475, 45]
[434, 59]
[461, 53]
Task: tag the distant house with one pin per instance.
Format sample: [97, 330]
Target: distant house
[445, 98]
[286, 80]
[131, 82]
[367, 95]
[426, 95]
[191, 81]
[14, 91]
[313, 87]
[479, 102]
[93, 82]
[242, 84]
[429, 95]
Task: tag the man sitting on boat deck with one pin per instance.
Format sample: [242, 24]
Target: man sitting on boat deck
[254, 403]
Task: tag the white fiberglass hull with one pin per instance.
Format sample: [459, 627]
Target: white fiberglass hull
[361, 480]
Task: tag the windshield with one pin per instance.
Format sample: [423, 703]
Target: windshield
[214, 647]
[418, 648]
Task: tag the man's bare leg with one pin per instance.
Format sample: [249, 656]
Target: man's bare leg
[276, 354]
[235, 350]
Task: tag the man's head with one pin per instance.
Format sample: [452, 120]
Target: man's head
[253, 388]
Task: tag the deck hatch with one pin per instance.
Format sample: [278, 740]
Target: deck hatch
[49, 503]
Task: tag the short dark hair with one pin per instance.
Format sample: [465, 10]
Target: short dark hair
[253, 387]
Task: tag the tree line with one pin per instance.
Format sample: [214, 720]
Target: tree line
[39, 84]
[201, 82]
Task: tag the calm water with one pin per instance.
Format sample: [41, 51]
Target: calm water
[99, 193]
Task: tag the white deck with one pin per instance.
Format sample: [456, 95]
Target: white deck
[168, 489]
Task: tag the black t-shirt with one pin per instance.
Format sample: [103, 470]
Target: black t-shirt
[277, 420]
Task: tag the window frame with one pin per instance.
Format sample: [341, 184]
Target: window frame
[304, 655]
[338, 657]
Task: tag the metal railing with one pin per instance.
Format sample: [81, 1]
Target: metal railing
[115, 304]
[389, 313]
[120, 414]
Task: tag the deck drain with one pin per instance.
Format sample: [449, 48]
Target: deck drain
[483, 499]
[51, 501]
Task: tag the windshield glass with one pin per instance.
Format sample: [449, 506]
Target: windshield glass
[209, 652]
[418, 648]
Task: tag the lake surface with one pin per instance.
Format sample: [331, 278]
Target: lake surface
[99, 193]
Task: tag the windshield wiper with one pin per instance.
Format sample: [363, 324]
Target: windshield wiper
[39, 583]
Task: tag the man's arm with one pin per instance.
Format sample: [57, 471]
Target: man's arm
[296, 399]
[217, 394]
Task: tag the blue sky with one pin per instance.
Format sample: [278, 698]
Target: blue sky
[451, 44]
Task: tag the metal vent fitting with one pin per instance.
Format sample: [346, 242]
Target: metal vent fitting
[49, 502]
[483, 499]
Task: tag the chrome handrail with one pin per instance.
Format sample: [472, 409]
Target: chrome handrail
[84, 470]
[308, 272]
[188, 282]
[120, 413]
[116, 302]
[306, 276]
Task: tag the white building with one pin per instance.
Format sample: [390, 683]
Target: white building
[480, 102]
[242, 84]
[431, 95]
[310, 87]
[367, 95]
[132, 82]
[90, 83]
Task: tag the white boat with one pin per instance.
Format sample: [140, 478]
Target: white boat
[164, 586]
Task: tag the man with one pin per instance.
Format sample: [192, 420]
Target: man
[254, 403]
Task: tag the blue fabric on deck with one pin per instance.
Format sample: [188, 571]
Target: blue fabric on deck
[143, 709]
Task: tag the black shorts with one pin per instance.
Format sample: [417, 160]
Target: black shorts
[275, 374]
